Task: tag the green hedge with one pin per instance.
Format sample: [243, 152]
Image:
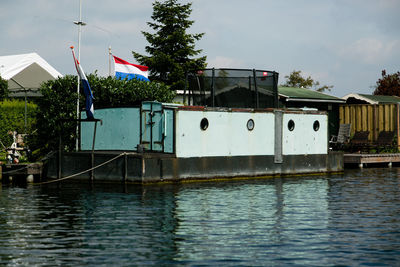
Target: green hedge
[111, 92]
[12, 118]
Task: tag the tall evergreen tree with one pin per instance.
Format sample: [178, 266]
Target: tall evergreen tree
[171, 49]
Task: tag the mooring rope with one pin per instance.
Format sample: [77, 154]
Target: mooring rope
[82, 172]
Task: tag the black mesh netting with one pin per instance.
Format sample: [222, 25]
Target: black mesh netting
[234, 88]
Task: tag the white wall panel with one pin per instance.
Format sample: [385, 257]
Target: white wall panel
[304, 139]
[226, 135]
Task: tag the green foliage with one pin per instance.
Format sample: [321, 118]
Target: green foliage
[389, 84]
[296, 80]
[171, 48]
[12, 118]
[57, 107]
[3, 89]
[111, 92]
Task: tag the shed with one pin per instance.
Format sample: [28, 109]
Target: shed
[25, 73]
[372, 113]
[371, 99]
[292, 97]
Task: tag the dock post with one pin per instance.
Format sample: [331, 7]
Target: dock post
[125, 167]
[59, 158]
[92, 164]
[92, 156]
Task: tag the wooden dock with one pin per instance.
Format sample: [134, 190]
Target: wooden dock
[363, 159]
[21, 172]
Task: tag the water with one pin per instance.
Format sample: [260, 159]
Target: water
[350, 220]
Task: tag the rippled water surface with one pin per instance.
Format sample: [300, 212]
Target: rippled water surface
[351, 219]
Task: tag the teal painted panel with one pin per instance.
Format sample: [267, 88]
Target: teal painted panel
[119, 130]
[168, 130]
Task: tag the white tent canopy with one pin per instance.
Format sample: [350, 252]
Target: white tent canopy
[25, 73]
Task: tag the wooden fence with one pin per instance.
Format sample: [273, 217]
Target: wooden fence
[372, 118]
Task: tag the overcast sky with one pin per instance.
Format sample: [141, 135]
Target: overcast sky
[341, 43]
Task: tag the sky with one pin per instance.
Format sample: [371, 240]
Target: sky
[342, 43]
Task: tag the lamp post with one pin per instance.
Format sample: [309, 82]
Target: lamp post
[80, 24]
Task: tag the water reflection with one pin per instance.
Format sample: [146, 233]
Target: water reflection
[364, 218]
[324, 220]
[252, 220]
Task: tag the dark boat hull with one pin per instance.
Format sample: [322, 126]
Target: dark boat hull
[148, 168]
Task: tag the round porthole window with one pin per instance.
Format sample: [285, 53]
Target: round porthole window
[316, 125]
[250, 125]
[290, 125]
[204, 124]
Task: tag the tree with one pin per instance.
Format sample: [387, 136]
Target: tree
[3, 89]
[56, 112]
[389, 84]
[294, 79]
[171, 48]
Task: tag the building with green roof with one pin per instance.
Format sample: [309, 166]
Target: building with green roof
[302, 95]
[371, 99]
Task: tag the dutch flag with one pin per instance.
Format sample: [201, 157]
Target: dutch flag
[86, 88]
[125, 70]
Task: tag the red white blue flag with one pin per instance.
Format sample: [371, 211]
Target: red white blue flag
[125, 70]
[86, 88]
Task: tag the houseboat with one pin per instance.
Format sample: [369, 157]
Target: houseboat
[230, 127]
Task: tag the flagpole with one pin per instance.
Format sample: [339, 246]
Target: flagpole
[80, 24]
[109, 60]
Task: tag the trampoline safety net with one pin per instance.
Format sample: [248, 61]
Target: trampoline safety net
[232, 88]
